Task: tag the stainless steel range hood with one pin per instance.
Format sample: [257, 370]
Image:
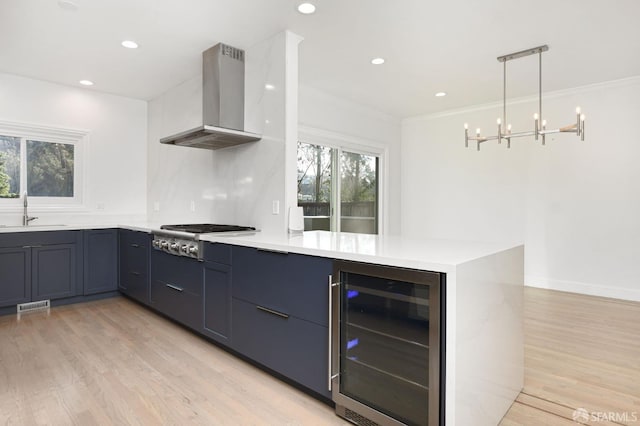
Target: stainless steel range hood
[222, 103]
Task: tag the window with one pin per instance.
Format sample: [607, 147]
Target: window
[40, 161]
[338, 189]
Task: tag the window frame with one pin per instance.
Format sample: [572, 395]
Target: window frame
[339, 143]
[34, 132]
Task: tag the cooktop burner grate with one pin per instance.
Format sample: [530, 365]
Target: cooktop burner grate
[203, 228]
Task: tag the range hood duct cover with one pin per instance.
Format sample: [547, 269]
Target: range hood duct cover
[222, 103]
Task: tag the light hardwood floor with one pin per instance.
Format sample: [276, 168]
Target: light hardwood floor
[113, 362]
[580, 352]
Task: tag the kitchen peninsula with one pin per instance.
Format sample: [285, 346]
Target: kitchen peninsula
[484, 358]
[481, 310]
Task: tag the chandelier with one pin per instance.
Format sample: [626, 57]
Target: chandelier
[539, 124]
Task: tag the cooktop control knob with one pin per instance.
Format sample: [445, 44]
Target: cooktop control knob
[164, 244]
[193, 250]
[155, 243]
[174, 246]
[184, 248]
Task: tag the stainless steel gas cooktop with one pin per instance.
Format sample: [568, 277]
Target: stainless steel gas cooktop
[204, 228]
[184, 240]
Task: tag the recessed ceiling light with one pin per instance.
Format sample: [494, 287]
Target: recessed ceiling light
[377, 61]
[67, 5]
[269, 86]
[86, 82]
[129, 44]
[441, 94]
[306, 8]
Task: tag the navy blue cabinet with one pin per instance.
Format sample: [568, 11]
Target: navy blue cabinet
[100, 261]
[176, 288]
[15, 278]
[217, 292]
[40, 265]
[280, 313]
[134, 249]
[54, 271]
[293, 347]
[286, 282]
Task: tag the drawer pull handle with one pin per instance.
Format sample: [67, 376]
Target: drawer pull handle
[173, 287]
[272, 312]
[273, 251]
[134, 273]
[135, 245]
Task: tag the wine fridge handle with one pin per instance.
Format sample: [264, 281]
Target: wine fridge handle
[330, 374]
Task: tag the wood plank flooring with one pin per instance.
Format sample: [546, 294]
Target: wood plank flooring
[113, 362]
[580, 352]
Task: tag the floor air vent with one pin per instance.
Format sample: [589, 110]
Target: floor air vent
[356, 418]
[34, 306]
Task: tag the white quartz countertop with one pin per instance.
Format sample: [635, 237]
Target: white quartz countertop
[427, 254]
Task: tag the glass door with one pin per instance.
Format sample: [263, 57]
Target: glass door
[337, 189]
[389, 341]
[358, 193]
[315, 194]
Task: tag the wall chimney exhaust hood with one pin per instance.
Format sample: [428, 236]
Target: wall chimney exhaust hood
[222, 103]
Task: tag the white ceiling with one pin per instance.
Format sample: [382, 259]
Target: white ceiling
[429, 46]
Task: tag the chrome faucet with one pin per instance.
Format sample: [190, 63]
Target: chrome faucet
[25, 216]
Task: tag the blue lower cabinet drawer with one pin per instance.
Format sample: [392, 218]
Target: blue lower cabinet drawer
[295, 348]
[294, 283]
[177, 303]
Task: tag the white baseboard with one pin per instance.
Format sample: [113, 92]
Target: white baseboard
[584, 288]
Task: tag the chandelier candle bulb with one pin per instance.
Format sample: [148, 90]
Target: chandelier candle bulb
[536, 123]
[582, 127]
[544, 128]
[499, 130]
[466, 135]
[578, 124]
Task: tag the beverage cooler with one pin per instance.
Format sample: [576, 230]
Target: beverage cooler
[385, 345]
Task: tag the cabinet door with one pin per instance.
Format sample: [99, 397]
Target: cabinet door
[134, 265]
[295, 348]
[217, 301]
[100, 261]
[15, 281]
[53, 271]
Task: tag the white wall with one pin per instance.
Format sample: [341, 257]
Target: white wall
[235, 185]
[331, 117]
[115, 155]
[574, 204]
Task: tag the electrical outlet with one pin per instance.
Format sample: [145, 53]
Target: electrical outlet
[156, 206]
[192, 206]
[275, 207]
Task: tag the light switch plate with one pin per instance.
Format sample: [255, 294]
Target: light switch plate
[275, 207]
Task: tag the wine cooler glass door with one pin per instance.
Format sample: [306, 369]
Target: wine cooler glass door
[386, 336]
